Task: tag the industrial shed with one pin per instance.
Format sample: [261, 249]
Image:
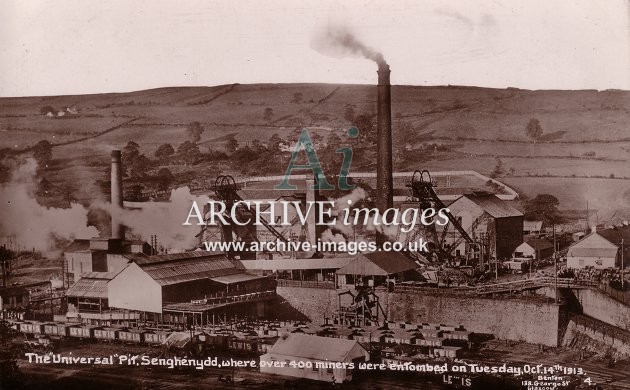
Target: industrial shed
[89, 293]
[376, 268]
[83, 256]
[318, 354]
[302, 270]
[488, 219]
[188, 284]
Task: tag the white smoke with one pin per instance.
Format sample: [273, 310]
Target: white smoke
[163, 219]
[33, 225]
[329, 236]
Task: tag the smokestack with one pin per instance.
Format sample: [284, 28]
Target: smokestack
[118, 230]
[384, 174]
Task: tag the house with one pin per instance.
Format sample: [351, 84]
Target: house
[535, 248]
[532, 227]
[600, 249]
[314, 357]
[487, 220]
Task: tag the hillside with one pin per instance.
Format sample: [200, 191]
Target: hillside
[586, 133]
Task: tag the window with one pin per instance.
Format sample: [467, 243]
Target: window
[315, 369]
[581, 262]
[329, 370]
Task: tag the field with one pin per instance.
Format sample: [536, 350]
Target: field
[583, 152]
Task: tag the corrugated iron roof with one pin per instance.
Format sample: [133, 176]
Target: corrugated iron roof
[291, 264]
[140, 260]
[78, 245]
[616, 234]
[179, 269]
[539, 244]
[494, 206]
[315, 347]
[379, 263]
[236, 278]
[99, 275]
[89, 288]
[532, 226]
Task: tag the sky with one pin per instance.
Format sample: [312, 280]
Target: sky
[86, 46]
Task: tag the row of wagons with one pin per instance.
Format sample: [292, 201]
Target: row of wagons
[98, 333]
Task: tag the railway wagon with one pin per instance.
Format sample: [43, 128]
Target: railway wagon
[32, 327]
[131, 336]
[81, 331]
[243, 345]
[106, 334]
[14, 324]
[56, 330]
[155, 337]
[217, 341]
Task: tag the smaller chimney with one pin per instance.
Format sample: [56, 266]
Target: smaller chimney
[118, 230]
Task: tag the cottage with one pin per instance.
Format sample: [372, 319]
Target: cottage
[534, 248]
[600, 249]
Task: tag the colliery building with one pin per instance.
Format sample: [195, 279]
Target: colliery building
[99, 255]
[188, 287]
[491, 222]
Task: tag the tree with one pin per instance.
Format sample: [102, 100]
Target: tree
[349, 114]
[534, 130]
[46, 109]
[297, 98]
[130, 151]
[10, 375]
[164, 152]
[256, 145]
[333, 140]
[194, 131]
[402, 137]
[189, 152]
[231, 145]
[42, 152]
[134, 163]
[5, 173]
[164, 179]
[543, 207]
[268, 114]
[43, 187]
[367, 127]
[274, 143]
[498, 168]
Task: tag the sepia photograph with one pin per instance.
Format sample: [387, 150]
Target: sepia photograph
[315, 194]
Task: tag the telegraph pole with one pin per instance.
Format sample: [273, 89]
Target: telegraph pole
[555, 261]
[622, 275]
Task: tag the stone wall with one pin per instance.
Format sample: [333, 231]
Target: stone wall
[531, 320]
[600, 306]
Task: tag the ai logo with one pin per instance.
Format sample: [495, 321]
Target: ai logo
[304, 142]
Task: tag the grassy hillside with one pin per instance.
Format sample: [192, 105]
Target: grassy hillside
[585, 141]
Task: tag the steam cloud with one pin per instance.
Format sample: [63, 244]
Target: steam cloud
[339, 41]
[357, 195]
[163, 219]
[33, 225]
